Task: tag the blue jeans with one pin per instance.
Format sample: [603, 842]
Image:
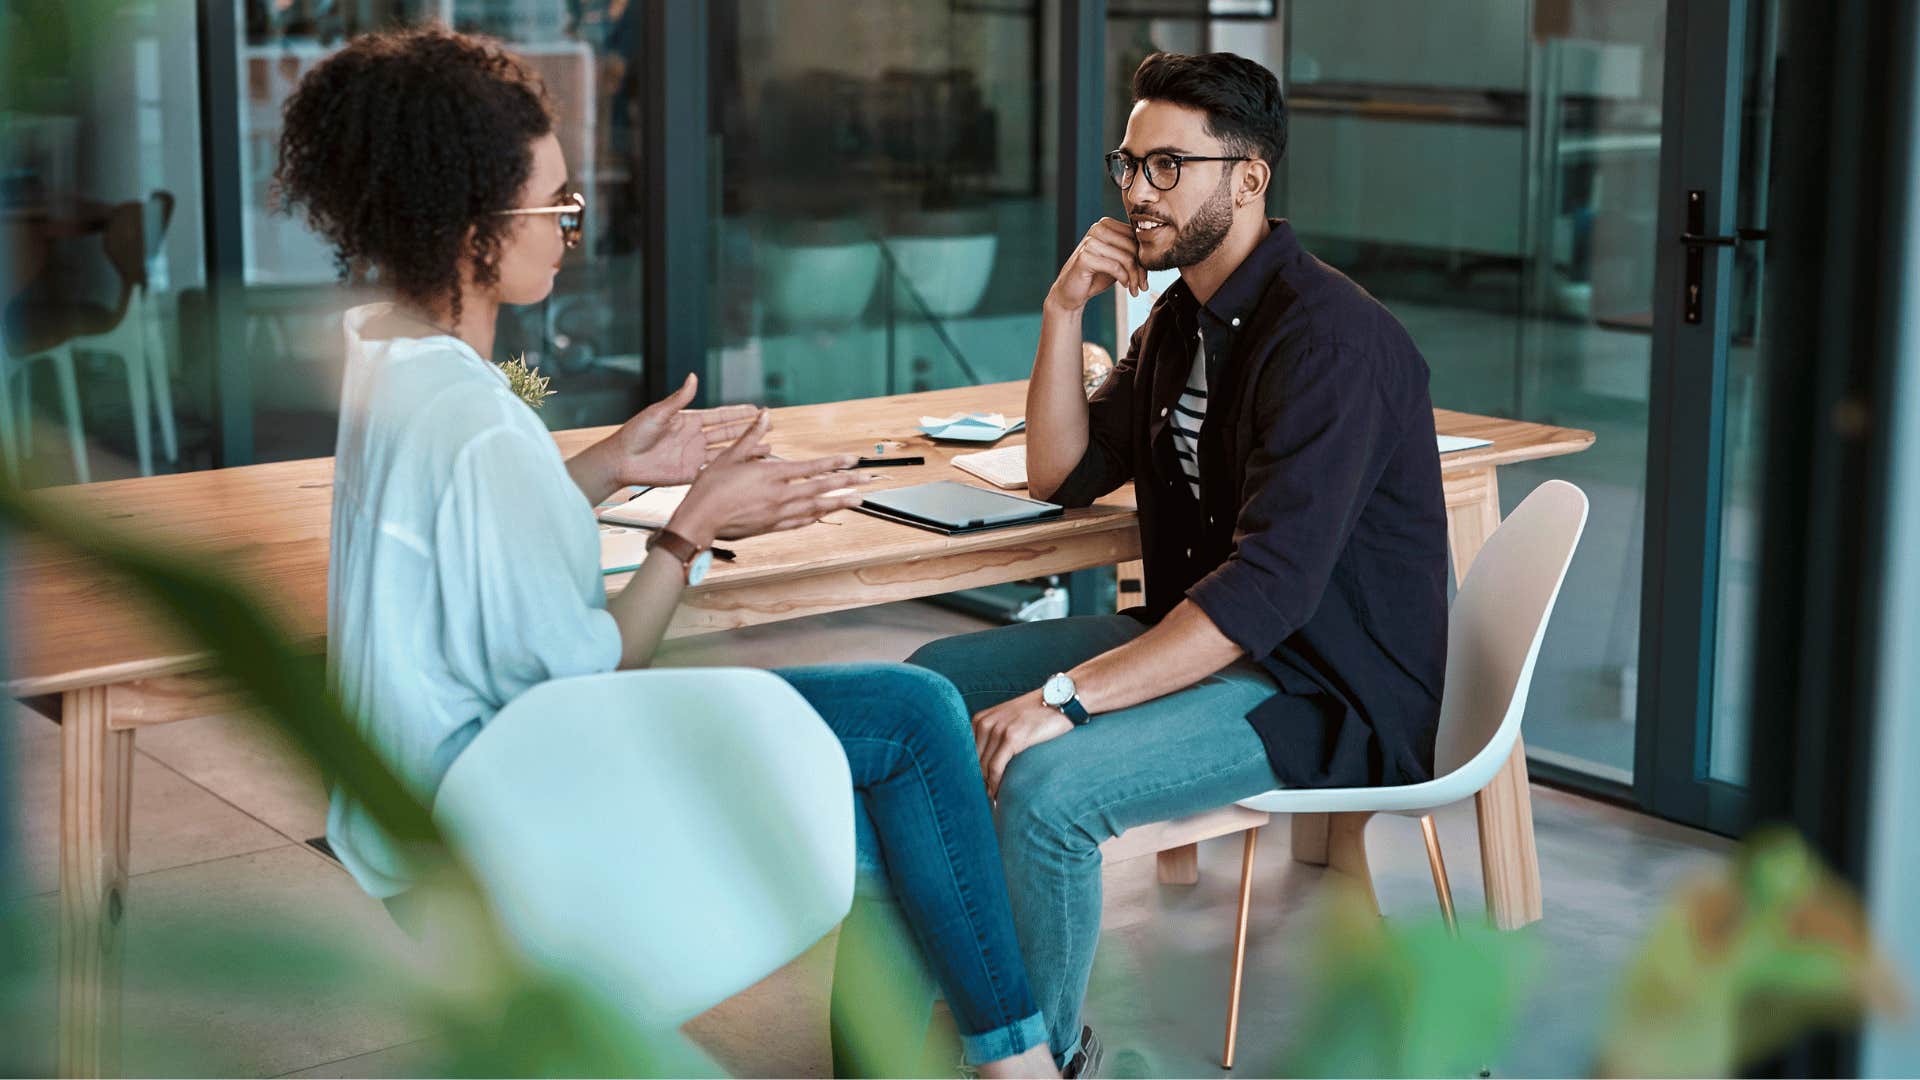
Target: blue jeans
[1184, 753]
[922, 821]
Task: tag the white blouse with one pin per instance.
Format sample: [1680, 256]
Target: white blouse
[464, 570]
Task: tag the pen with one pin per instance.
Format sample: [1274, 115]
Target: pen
[884, 462]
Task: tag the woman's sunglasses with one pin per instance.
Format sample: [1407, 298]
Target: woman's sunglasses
[572, 215]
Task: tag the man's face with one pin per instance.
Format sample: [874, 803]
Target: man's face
[1182, 226]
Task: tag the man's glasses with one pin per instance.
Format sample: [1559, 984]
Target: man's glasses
[572, 214]
[1163, 170]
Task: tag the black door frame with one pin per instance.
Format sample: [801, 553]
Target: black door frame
[1686, 432]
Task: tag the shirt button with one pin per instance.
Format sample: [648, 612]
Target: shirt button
[1163, 412]
[1189, 553]
[1236, 322]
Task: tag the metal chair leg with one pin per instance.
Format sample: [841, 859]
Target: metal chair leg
[1439, 866]
[1239, 948]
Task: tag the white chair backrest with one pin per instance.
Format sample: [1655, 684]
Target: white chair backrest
[1498, 620]
[671, 837]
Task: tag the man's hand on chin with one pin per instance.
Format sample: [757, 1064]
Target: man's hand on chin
[1005, 730]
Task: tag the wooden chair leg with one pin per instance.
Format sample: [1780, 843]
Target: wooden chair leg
[1439, 867]
[1347, 852]
[1180, 865]
[1239, 948]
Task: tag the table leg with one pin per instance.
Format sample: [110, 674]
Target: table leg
[1509, 863]
[1180, 865]
[1509, 860]
[1473, 512]
[96, 788]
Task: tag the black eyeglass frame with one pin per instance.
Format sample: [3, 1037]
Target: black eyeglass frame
[572, 215]
[1123, 167]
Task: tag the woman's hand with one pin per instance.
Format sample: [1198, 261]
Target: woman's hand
[664, 444]
[740, 495]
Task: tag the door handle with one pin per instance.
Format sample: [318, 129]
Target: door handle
[1740, 236]
[1697, 240]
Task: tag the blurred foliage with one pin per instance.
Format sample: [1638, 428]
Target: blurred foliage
[1741, 964]
[496, 1014]
[42, 60]
[1397, 998]
[1738, 965]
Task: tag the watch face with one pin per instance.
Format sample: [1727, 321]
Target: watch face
[1058, 691]
[697, 569]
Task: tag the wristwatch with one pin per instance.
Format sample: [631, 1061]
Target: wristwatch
[1060, 693]
[694, 560]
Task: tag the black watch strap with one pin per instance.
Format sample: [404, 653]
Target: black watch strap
[1075, 711]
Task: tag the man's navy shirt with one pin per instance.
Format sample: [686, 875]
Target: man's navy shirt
[1319, 542]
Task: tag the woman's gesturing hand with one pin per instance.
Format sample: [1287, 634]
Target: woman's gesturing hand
[740, 494]
[667, 443]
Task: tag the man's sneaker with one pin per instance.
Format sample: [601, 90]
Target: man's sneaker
[1086, 1063]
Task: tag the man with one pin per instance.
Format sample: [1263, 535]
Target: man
[1275, 422]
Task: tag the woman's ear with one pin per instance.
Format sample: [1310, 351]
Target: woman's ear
[469, 258]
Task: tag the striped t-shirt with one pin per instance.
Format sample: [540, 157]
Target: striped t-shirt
[1188, 414]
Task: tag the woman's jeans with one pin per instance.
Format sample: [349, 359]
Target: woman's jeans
[930, 866]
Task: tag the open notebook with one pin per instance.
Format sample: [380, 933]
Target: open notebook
[1004, 467]
[1007, 466]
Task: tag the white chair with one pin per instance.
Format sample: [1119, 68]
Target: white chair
[670, 837]
[128, 329]
[1494, 631]
[136, 337]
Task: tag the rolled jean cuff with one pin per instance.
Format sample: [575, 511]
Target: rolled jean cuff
[1004, 1042]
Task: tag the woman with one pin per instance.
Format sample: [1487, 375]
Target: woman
[465, 562]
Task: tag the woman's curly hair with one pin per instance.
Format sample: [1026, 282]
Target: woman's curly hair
[403, 141]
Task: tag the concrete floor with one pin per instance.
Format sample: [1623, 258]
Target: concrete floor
[222, 810]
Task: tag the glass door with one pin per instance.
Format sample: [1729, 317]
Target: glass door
[1707, 443]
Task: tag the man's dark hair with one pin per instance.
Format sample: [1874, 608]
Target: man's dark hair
[404, 141]
[1242, 99]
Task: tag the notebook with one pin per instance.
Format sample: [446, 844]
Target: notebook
[1005, 467]
[652, 508]
[948, 506]
[622, 548]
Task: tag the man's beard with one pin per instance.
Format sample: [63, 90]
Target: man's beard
[1201, 236]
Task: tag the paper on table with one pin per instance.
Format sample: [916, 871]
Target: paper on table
[1450, 443]
[622, 548]
[652, 507]
[992, 419]
[974, 427]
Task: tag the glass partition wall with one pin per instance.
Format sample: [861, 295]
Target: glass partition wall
[885, 196]
[100, 201]
[586, 337]
[101, 110]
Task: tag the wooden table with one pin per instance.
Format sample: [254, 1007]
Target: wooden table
[104, 667]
